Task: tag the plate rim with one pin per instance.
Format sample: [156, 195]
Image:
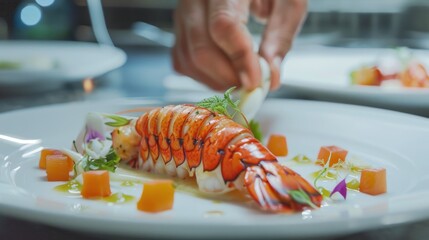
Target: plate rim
[372, 95]
[399, 215]
[15, 77]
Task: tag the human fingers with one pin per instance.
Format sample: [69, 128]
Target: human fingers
[227, 29]
[205, 55]
[261, 10]
[282, 26]
[186, 57]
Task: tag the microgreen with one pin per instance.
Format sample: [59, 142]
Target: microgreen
[74, 146]
[75, 164]
[256, 129]
[109, 162]
[118, 121]
[325, 192]
[341, 187]
[301, 159]
[301, 197]
[321, 173]
[353, 184]
[221, 105]
[228, 107]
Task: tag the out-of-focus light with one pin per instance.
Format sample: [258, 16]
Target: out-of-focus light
[45, 3]
[18, 140]
[88, 85]
[31, 15]
[32, 152]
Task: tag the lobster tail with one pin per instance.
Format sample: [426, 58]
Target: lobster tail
[279, 189]
[186, 140]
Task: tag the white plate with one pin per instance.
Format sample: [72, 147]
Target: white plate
[324, 73]
[56, 61]
[389, 139]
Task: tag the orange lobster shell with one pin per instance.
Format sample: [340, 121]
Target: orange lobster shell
[187, 134]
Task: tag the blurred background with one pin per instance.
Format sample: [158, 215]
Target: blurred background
[142, 29]
[350, 23]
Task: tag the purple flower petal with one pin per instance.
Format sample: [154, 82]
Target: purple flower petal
[340, 188]
[92, 134]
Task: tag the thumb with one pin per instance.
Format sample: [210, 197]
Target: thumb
[283, 24]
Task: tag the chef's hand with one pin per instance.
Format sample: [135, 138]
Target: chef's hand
[213, 44]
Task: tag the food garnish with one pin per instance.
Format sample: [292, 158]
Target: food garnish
[44, 153]
[340, 188]
[228, 107]
[204, 145]
[353, 184]
[406, 71]
[300, 158]
[255, 127]
[373, 181]
[96, 184]
[97, 151]
[302, 197]
[118, 121]
[333, 153]
[108, 162]
[157, 196]
[277, 145]
[57, 167]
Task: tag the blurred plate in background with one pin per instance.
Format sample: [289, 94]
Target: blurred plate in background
[48, 62]
[323, 73]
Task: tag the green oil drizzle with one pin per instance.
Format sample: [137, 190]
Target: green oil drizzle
[214, 213]
[118, 198]
[73, 187]
[325, 192]
[353, 185]
[128, 183]
[325, 176]
[302, 159]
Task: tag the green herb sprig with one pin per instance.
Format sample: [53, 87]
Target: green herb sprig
[301, 197]
[118, 121]
[256, 129]
[109, 162]
[228, 107]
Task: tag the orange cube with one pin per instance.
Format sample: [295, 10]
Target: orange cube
[277, 145]
[157, 196]
[57, 168]
[96, 184]
[373, 181]
[332, 153]
[47, 151]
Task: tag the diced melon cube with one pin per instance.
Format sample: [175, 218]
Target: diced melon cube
[157, 196]
[332, 153]
[57, 168]
[47, 151]
[373, 181]
[96, 184]
[277, 144]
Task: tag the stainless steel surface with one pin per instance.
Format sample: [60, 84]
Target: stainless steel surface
[141, 76]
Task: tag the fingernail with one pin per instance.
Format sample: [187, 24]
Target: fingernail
[277, 62]
[275, 72]
[244, 79]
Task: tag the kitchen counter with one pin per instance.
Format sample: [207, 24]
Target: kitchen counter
[141, 76]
